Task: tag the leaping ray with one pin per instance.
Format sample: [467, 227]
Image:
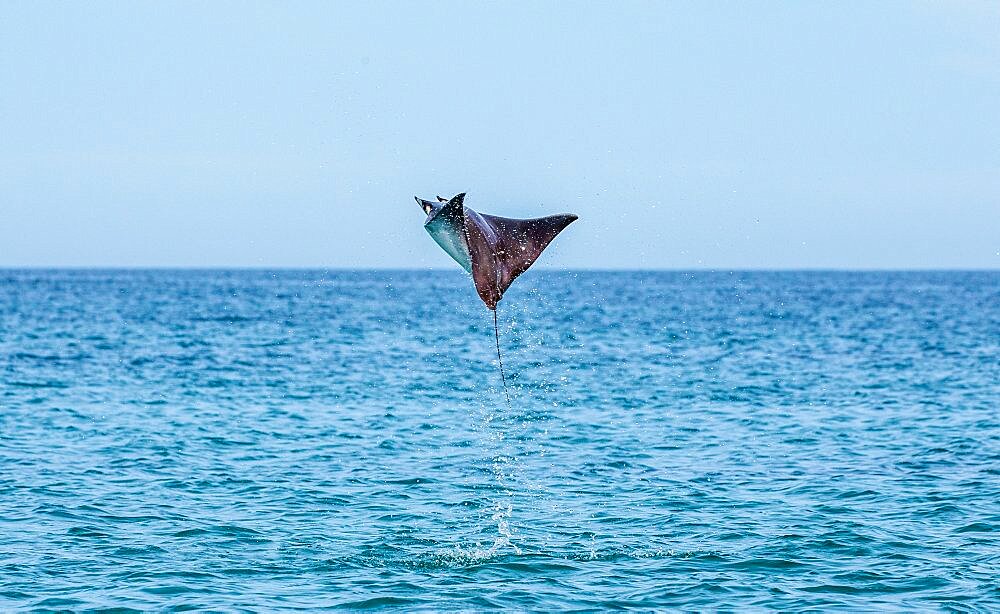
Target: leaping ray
[494, 250]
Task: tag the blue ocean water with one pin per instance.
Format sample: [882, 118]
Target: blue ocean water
[308, 439]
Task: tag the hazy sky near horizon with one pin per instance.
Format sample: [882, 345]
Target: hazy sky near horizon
[685, 135]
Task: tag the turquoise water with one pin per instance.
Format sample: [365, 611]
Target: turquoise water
[308, 439]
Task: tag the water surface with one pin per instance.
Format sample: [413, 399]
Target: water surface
[311, 439]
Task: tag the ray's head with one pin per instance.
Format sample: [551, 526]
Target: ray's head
[432, 207]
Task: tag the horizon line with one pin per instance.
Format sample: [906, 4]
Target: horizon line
[261, 268]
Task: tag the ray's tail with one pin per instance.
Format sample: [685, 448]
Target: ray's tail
[496, 332]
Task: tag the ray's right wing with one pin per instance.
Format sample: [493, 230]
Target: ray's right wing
[521, 242]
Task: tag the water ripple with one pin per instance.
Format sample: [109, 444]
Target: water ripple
[249, 440]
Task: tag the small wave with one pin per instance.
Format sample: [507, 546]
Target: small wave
[36, 384]
[977, 527]
[381, 602]
[227, 319]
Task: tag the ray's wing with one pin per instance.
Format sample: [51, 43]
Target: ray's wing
[521, 242]
[509, 250]
[454, 208]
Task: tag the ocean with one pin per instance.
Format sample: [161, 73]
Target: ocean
[305, 439]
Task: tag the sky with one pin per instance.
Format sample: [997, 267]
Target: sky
[729, 135]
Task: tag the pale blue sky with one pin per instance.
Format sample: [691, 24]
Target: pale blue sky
[728, 135]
